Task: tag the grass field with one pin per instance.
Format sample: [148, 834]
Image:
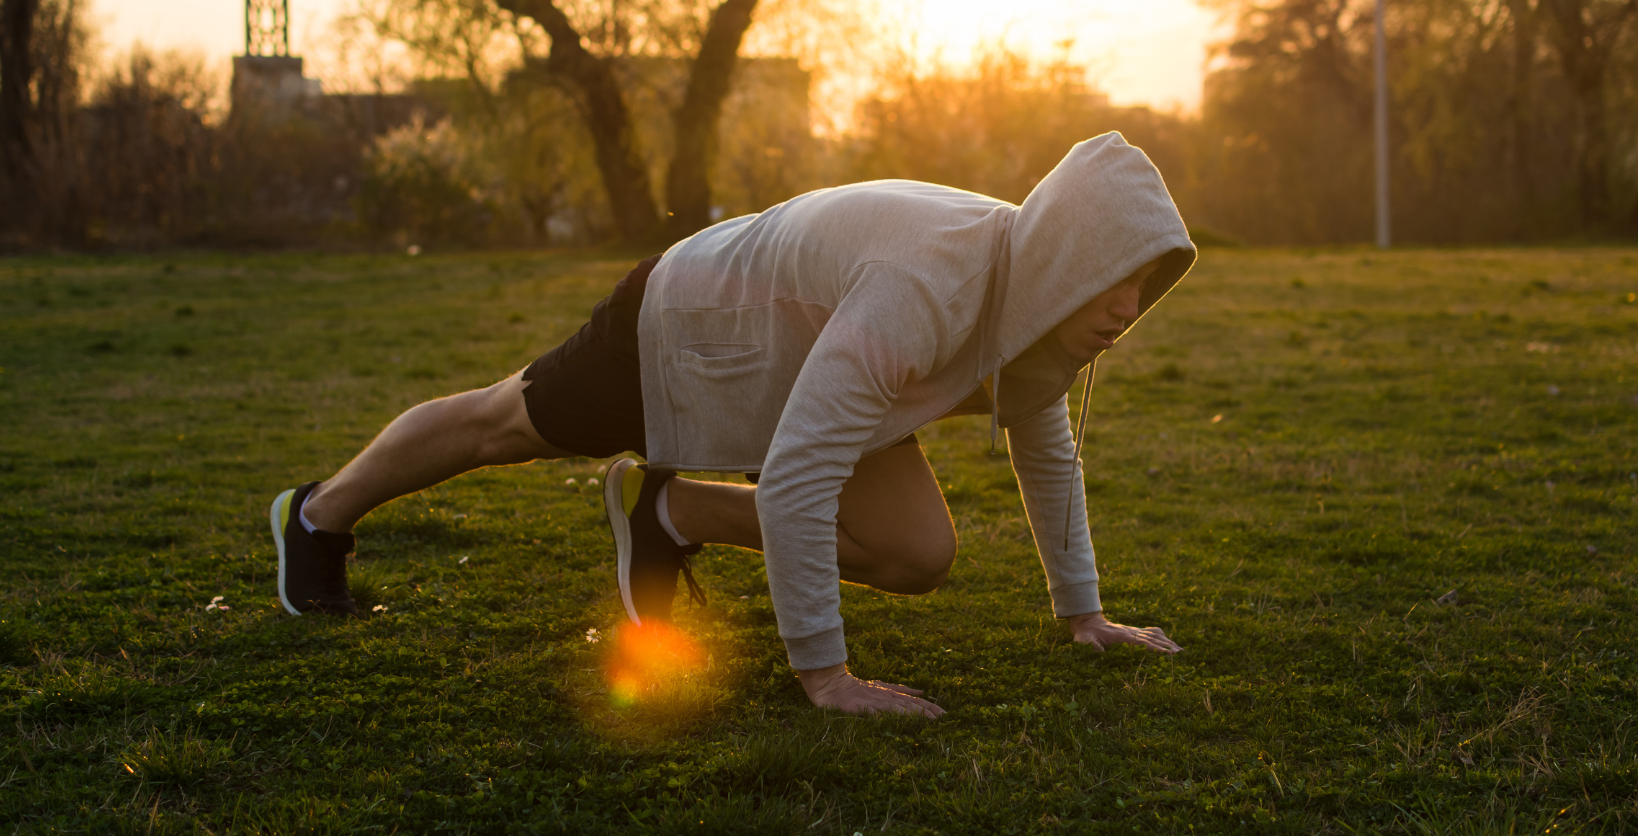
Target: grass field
[1402, 562]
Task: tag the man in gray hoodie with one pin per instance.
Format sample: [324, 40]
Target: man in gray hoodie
[804, 346]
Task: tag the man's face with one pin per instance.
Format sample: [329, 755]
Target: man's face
[1093, 329]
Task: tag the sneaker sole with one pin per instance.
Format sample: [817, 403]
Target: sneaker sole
[279, 517]
[614, 480]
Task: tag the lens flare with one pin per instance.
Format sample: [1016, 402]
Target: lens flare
[648, 662]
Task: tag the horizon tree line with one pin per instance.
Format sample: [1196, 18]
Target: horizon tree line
[1512, 120]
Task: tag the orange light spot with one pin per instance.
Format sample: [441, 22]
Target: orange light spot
[646, 659]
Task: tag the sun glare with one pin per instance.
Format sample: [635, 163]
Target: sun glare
[1141, 51]
[648, 662]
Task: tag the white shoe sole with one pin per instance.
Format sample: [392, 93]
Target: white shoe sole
[279, 516]
[615, 508]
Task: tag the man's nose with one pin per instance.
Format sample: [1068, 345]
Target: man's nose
[1126, 307]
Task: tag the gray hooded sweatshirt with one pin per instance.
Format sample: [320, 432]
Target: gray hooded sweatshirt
[796, 341]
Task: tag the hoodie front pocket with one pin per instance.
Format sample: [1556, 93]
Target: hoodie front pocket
[728, 373]
[719, 359]
[717, 377]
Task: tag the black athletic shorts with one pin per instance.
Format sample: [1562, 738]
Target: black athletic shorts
[586, 395]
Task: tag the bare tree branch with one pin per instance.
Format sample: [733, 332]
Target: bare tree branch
[619, 158]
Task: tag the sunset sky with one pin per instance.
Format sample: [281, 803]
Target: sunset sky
[1143, 51]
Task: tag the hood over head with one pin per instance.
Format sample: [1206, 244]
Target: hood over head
[1097, 217]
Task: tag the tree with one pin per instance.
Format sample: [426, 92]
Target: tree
[1505, 116]
[603, 108]
[1290, 110]
[592, 78]
[1585, 33]
[996, 126]
[688, 179]
[16, 105]
[42, 55]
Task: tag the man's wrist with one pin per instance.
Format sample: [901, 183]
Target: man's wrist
[816, 681]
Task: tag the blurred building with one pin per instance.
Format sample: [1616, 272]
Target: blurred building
[271, 85]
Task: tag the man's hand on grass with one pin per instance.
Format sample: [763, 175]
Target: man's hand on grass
[1093, 629]
[834, 687]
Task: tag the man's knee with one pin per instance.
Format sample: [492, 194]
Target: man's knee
[499, 422]
[923, 566]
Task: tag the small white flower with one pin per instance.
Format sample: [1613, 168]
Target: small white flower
[570, 481]
[379, 608]
[592, 636]
[224, 608]
[594, 482]
[216, 604]
[414, 249]
[464, 558]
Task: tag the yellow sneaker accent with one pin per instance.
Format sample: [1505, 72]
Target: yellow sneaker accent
[630, 487]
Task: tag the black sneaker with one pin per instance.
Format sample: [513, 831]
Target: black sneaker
[648, 558]
[312, 567]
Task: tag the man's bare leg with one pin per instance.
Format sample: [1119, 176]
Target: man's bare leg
[893, 530]
[428, 444]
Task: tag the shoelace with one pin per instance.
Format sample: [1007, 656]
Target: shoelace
[696, 595]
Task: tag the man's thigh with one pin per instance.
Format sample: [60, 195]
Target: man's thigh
[893, 510]
[512, 436]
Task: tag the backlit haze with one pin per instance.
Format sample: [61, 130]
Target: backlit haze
[1141, 51]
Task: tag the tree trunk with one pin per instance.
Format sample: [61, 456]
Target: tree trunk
[16, 142]
[619, 160]
[1584, 44]
[688, 180]
[1593, 147]
[1521, 185]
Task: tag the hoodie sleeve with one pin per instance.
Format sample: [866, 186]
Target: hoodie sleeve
[886, 332]
[1043, 457]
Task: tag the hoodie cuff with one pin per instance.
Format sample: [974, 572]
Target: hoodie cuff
[820, 650]
[1075, 599]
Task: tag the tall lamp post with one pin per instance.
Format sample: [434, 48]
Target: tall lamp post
[1384, 234]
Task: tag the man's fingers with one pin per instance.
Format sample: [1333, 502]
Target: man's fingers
[1159, 638]
[1155, 638]
[905, 699]
[873, 697]
[902, 689]
[900, 705]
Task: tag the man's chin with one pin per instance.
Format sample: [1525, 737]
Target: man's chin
[1082, 358]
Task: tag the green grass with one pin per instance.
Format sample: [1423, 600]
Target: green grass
[1394, 428]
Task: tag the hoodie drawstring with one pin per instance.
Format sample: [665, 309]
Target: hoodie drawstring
[995, 404]
[1075, 463]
